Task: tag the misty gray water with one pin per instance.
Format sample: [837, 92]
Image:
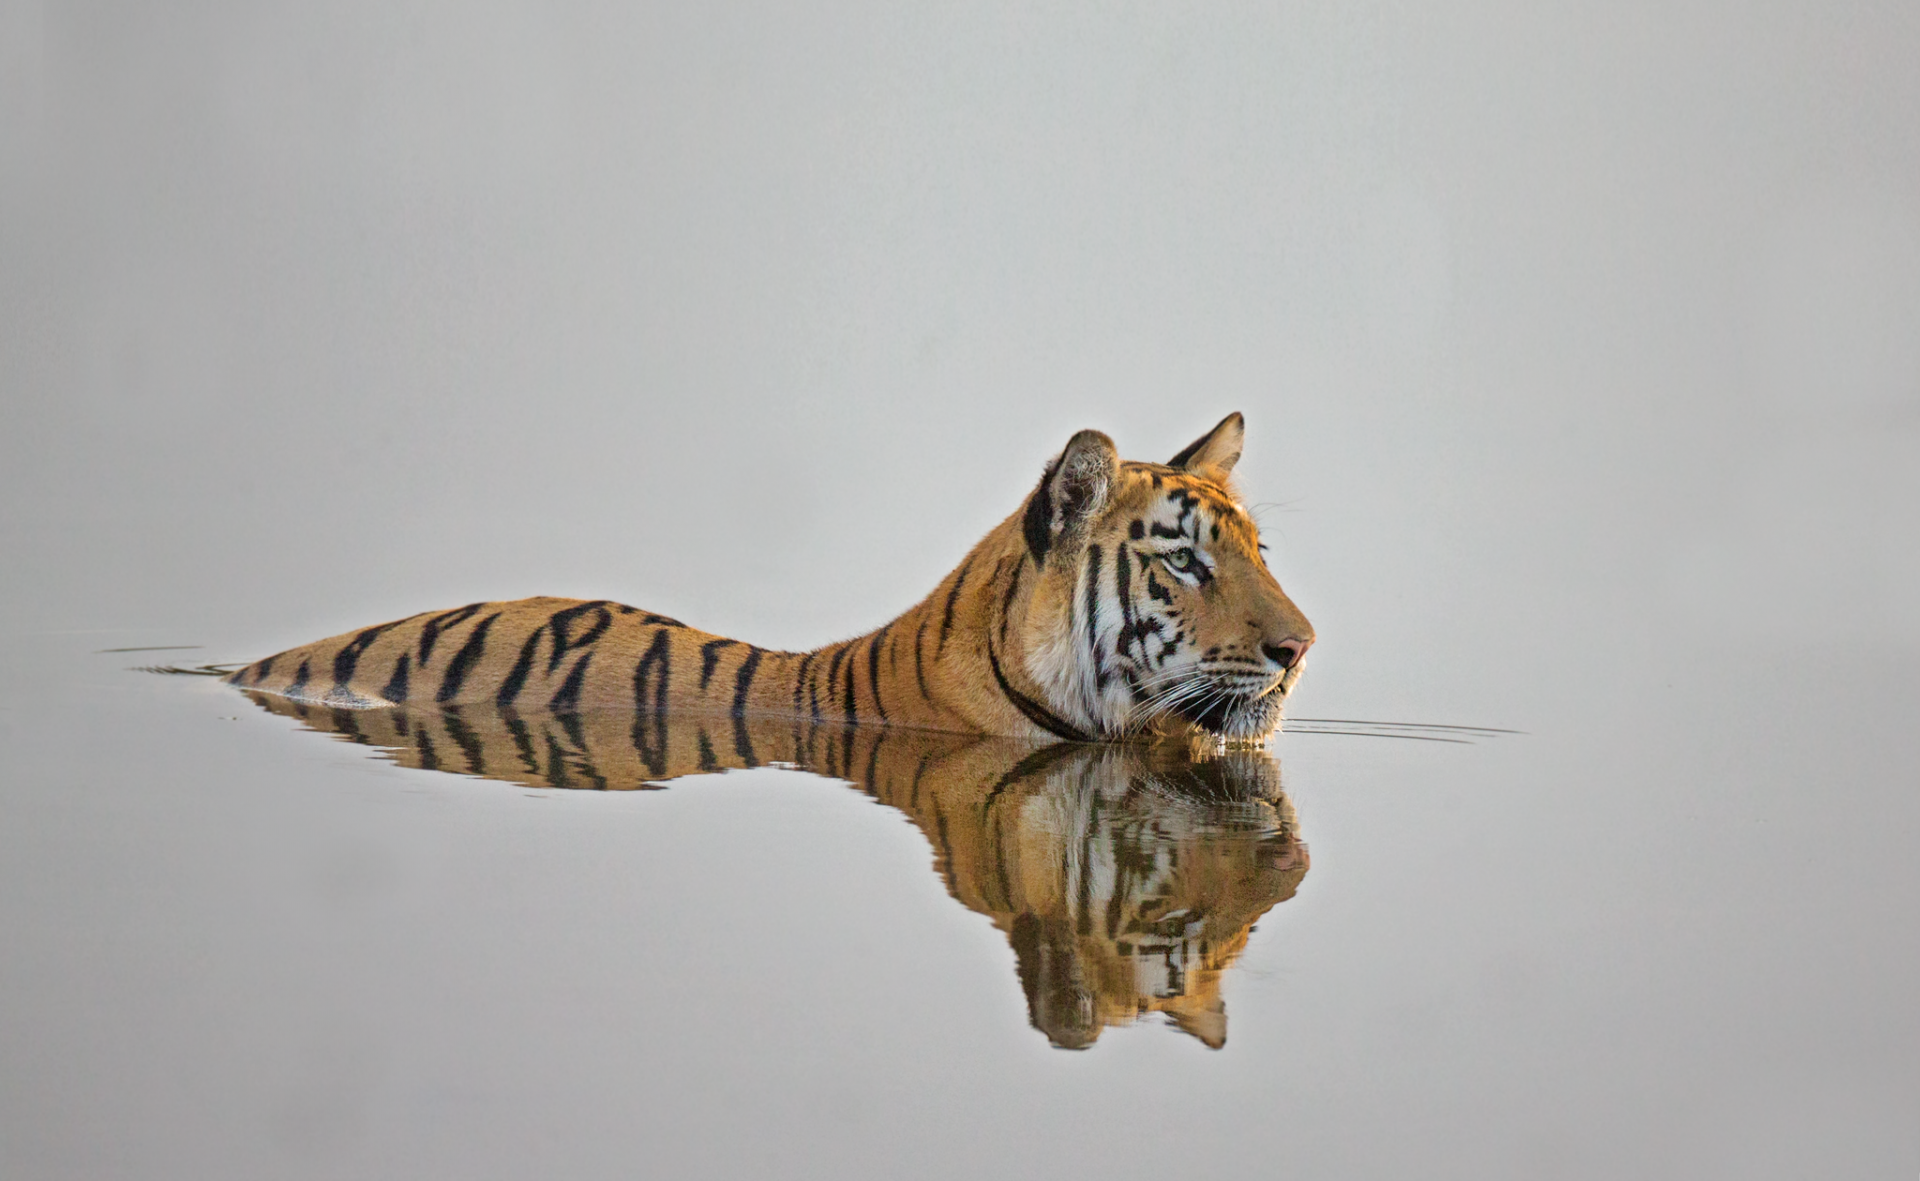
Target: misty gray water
[1651, 935]
[1577, 352]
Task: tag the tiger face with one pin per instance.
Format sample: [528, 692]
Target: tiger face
[1155, 612]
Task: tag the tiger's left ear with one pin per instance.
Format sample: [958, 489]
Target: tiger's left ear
[1075, 490]
[1218, 449]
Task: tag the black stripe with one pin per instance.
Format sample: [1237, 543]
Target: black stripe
[396, 690]
[743, 742]
[656, 654]
[707, 760]
[919, 667]
[833, 678]
[710, 656]
[578, 736]
[1006, 604]
[919, 770]
[424, 744]
[946, 620]
[743, 681]
[1083, 905]
[522, 740]
[299, 684]
[853, 717]
[1028, 767]
[1157, 592]
[945, 857]
[873, 764]
[556, 761]
[344, 722]
[1093, 616]
[1003, 877]
[468, 742]
[263, 668]
[800, 682]
[1036, 713]
[1116, 912]
[464, 660]
[561, 622]
[873, 670]
[348, 658]
[430, 631]
[517, 675]
[655, 757]
[1123, 590]
[798, 718]
[568, 696]
[803, 754]
[1037, 523]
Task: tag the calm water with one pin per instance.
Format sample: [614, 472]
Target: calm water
[241, 946]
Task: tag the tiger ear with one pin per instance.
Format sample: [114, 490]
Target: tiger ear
[1206, 1020]
[1218, 449]
[1074, 490]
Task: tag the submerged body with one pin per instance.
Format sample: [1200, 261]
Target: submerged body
[1121, 599]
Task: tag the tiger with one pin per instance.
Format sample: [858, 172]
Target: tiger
[1121, 600]
[1125, 877]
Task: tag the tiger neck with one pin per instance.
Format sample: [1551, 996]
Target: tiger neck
[956, 660]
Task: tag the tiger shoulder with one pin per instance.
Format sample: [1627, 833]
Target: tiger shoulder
[1121, 599]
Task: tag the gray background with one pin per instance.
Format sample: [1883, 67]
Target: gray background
[1578, 349]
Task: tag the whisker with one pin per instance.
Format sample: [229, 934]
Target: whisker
[1161, 676]
[1379, 734]
[1405, 725]
[1173, 696]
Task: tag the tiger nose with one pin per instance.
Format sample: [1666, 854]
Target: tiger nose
[1287, 653]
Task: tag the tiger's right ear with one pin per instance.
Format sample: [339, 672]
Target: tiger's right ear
[1075, 489]
[1213, 454]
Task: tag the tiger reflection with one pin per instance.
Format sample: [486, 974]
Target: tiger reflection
[1126, 877]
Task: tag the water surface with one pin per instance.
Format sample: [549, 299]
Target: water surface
[250, 947]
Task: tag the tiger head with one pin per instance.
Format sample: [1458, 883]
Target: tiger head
[1154, 611]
